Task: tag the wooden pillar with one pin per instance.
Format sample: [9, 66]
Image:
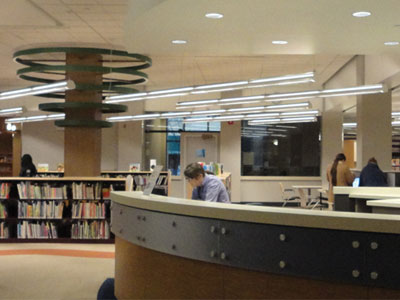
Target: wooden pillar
[82, 145]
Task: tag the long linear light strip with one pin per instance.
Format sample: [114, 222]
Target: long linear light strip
[11, 111]
[41, 89]
[35, 118]
[216, 87]
[358, 90]
[354, 125]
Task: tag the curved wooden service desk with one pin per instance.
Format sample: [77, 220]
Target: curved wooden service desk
[175, 248]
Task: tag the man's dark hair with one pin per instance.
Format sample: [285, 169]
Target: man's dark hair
[193, 170]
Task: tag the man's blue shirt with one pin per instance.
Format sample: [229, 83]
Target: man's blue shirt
[212, 189]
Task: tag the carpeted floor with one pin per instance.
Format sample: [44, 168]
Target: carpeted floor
[54, 271]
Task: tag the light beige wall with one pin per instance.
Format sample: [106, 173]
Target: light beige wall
[130, 141]
[109, 148]
[44, 142]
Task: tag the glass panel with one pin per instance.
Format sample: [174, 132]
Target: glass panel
[281, 149]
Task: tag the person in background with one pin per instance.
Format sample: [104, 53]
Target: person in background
[28, 169]
[205, 187]
[60, 167]
[338, 174]
[372, 175]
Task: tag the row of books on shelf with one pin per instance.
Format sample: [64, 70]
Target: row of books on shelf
[37, 230]
[3, 211]
[5, 190]
[90, 191]
[90, 230]
[88, 210]
[4, 232]
[40, 209]
[28, 190]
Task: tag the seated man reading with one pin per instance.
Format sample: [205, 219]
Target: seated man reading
[205, 187]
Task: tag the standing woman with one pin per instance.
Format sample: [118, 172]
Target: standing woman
[338, 174]
[28, 169]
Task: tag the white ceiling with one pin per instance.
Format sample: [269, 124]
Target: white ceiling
[322, 36]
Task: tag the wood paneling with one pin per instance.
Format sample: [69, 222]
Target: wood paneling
[147, 274]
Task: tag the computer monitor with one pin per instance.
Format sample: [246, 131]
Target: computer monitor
[356, 182]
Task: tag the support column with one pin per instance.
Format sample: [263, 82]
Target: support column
[332, 138]
[82, 145]
[374, 129]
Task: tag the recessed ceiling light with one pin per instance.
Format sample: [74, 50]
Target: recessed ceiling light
[391, 43]
[279, 42]
[214, 15]
[179, 42]
[361, 14]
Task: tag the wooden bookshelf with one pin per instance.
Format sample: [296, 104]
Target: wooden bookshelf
[140, 177]
[60, 209]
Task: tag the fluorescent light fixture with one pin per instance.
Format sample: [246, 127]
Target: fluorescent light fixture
[236, 117]
[262, 115]
[289, 99]
[205, 119]
[35, 90]
[56, 116]
[395, 113]
[361, 14]
[241, 102]
[290, 105]
[279, 42]
[304, 112]
[353, 89]
[218, 85]
[395, 123]
[119, 118]
[294, 94]
[216, 90]
[301, 119]
[175, 114]
[392, 43]
[184, 89]
[245, 98]
[246, 108]
[349, 124]
[11, 111]
[203, 112]
[166, 95]
[197, 102]
[179, 42]
[146, 116]
[214, 15]
[282, 78]
[263, 121]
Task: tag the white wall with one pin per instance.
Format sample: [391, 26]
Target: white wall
[44, 142]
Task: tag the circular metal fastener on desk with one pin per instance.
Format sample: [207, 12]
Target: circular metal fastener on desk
[120, 231]
[212, 229]
[224, 230]
[223, 256]
[282, 264]
[173, 247]
[212, 253]
[173, 224]
[355, 273]
[120, 211]
[282, 237]
[374, 275]
[355, 244]
[144, 218]
[374, 245]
